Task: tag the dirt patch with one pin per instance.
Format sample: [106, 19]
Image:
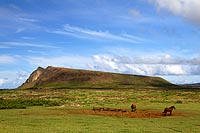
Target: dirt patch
[129, 114]
[113, 97]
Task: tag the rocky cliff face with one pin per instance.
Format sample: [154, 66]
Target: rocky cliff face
[35, 75]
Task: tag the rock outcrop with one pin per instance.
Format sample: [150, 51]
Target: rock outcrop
[35, 75]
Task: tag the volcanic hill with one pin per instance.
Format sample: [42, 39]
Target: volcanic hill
[65, 78]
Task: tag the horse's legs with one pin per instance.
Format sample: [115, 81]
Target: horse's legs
[170, 112]
[164, 113]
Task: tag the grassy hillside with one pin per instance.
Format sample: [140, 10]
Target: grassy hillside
[54, 77]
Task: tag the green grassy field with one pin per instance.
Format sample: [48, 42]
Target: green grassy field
[38, 118]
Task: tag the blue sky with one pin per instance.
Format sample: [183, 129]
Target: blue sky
[144, 37]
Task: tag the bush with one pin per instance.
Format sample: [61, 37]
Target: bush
[10, 104]
[23, 103]
[179, 101]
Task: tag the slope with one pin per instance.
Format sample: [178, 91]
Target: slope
[56, 77]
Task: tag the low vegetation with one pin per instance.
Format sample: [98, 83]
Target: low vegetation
[23, 103]
[71, 110]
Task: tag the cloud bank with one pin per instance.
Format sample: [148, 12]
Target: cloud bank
[188, 9]
[149, 65]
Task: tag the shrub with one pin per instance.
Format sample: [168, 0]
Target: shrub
[23, 103]
[10, 104]
[179, 101]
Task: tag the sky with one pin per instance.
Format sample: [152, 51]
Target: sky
[141, 37]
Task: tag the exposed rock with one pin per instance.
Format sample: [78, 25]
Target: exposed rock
[35, 75]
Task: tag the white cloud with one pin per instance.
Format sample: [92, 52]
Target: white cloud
[6, 59]
[21, 76]
[2, 81]
[165, 59]
[12, 79]
[188, 9]
[14, 20]
[75, 61]
[28, 20]
[146, 65]
[19, 30]
[135, 13]
[28, 38]
[83, 33]
[24, 44]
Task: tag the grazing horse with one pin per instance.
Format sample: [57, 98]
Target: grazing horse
[133, 107]
[168, 110]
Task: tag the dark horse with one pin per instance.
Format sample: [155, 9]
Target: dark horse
[133, 107]
[168, 110]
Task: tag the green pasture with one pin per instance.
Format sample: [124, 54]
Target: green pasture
[48, 118]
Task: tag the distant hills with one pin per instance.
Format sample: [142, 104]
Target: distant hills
[194, 85]
[65, 78]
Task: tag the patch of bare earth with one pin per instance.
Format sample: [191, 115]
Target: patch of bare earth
[128, 114]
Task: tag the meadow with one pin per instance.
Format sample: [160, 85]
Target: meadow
[70, 110]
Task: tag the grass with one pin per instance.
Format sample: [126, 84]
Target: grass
[51, 120]
[42, 119]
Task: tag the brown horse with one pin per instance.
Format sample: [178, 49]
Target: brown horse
[133, 107]
[168, 110]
